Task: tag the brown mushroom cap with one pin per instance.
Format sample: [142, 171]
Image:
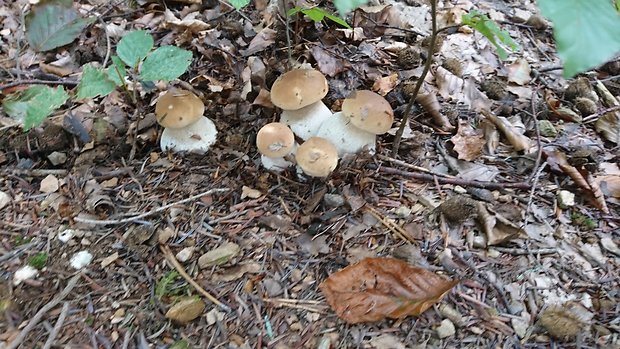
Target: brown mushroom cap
[298, 88]
[369, 111]
[178, 108]
[317, 157]
[275, 140]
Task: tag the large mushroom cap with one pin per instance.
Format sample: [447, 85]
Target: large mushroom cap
[317, 157]
[178, 108]
[369, 111]
[275, 140]
[298, 88]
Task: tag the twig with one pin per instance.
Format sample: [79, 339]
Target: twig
[456, 181]
[107, 40]
[57, 326]
[41, 172]
[538, 143]
[520, 251]
[287, 22]
[39, 82]
[170, 257]
[595, 116]
[152, 212]
[413, 167]
[393, 227]
[431, 48]
[39, 315]
[532, 191]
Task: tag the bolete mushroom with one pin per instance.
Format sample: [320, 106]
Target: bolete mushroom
[317, 157]
[364, 115]
[180, 112]
[275, 141]
[298, 93]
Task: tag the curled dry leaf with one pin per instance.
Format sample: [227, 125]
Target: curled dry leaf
[385, 84]
[517, 140]
[557, 160]
[609, 126]
[597, 193]
[378, 288]
[468, 142]
[491, 136]
[519, 72]
[452, 87]
[430, 103]
[188, 22]
[497, 228]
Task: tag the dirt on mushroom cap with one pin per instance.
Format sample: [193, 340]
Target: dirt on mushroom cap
[298, 88]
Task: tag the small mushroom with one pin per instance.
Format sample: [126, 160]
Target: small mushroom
[180, 112]
[274, 141]
[298, 93]
[317, 157]
[365, 114]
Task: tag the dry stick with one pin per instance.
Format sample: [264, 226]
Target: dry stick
[287, 22]
[57, 326]
[39, 315]
[39, 82]
[456, 181]
[152, 212]
[431, 48]
[170, 257]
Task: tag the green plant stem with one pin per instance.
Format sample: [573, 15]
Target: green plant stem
[287, 22]
[431, 50]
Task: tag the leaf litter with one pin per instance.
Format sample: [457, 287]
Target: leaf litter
[271, 240]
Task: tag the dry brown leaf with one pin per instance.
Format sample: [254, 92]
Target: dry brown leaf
[328, 64]
[263, 99]
[609, 126]
[376, 288]
[496, 227]
[461, 90]
[517, 140]
[597, 193]
[557, 160]
[261, 41]
[610, 185]
[468, 142]
[519, 72]
[188, 22]
[430, 103]
[491, 136]
[385, 84]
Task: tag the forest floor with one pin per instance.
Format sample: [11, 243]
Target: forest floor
[525, 218]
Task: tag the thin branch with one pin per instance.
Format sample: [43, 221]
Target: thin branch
[431, 50]
[287, 21]
[170, 258]
[39, 82]
[41, 313]
[57, 326]
[152, 212]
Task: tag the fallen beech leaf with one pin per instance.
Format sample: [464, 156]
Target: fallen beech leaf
[261, 41]
[497, 228]
[610, 185]
[597, 193]
[468, 142]
[376, 288]
[186, 310]
[189, 22]
[609, 126]
[519, 72]
[430, 103]
[328, 64]
[385, 84]
[517, 140]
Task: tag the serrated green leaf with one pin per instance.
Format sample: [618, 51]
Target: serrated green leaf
[318, 14]
[134, 47]
[34, 104]
[346, 6]
[487, 27]
[116, 71]
[53, 23]
[95, 82]
[239, 4]
[166, 63]
[587, 33]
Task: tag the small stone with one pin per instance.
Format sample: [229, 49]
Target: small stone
[66, 235]
[445, 329]
[5, 199]
[219, 256]
[81, 259]
[165, 235]
[57, 158]
[186, 310]
[520, 326]
[566, 199]
[403, 212]
[49, 184]
[247, 192]
[214, 316]
[109, 259]
[547, 129]
[185, 254]
[333, 200]
[24, 273]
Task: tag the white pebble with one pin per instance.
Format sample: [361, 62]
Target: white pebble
[185, 254]
[66, 235]
[81, 259]
[24, 273]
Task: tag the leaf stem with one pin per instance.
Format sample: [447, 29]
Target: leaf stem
[431, 50]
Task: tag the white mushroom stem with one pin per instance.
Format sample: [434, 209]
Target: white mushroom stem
[195, 138]
[278, 164]
[347, 138]
[306, 121]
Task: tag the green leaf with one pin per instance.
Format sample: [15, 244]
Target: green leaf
[587, 33]
[116, 71]
[239, 4]
[166, 63]
[53, 23]
[134, 47]
[317, 15]
[34, 104]
[487, 27]
[346, 6]
[95, 82]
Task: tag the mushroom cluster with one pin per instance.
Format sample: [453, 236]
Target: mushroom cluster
[186, 129]
[327, 136]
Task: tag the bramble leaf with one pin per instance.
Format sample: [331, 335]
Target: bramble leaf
[33, 105]
[166, 63]
[239, 4]
[134, 47]
[346, 6]
[95, 82]
[317, 14]
[487, 27]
